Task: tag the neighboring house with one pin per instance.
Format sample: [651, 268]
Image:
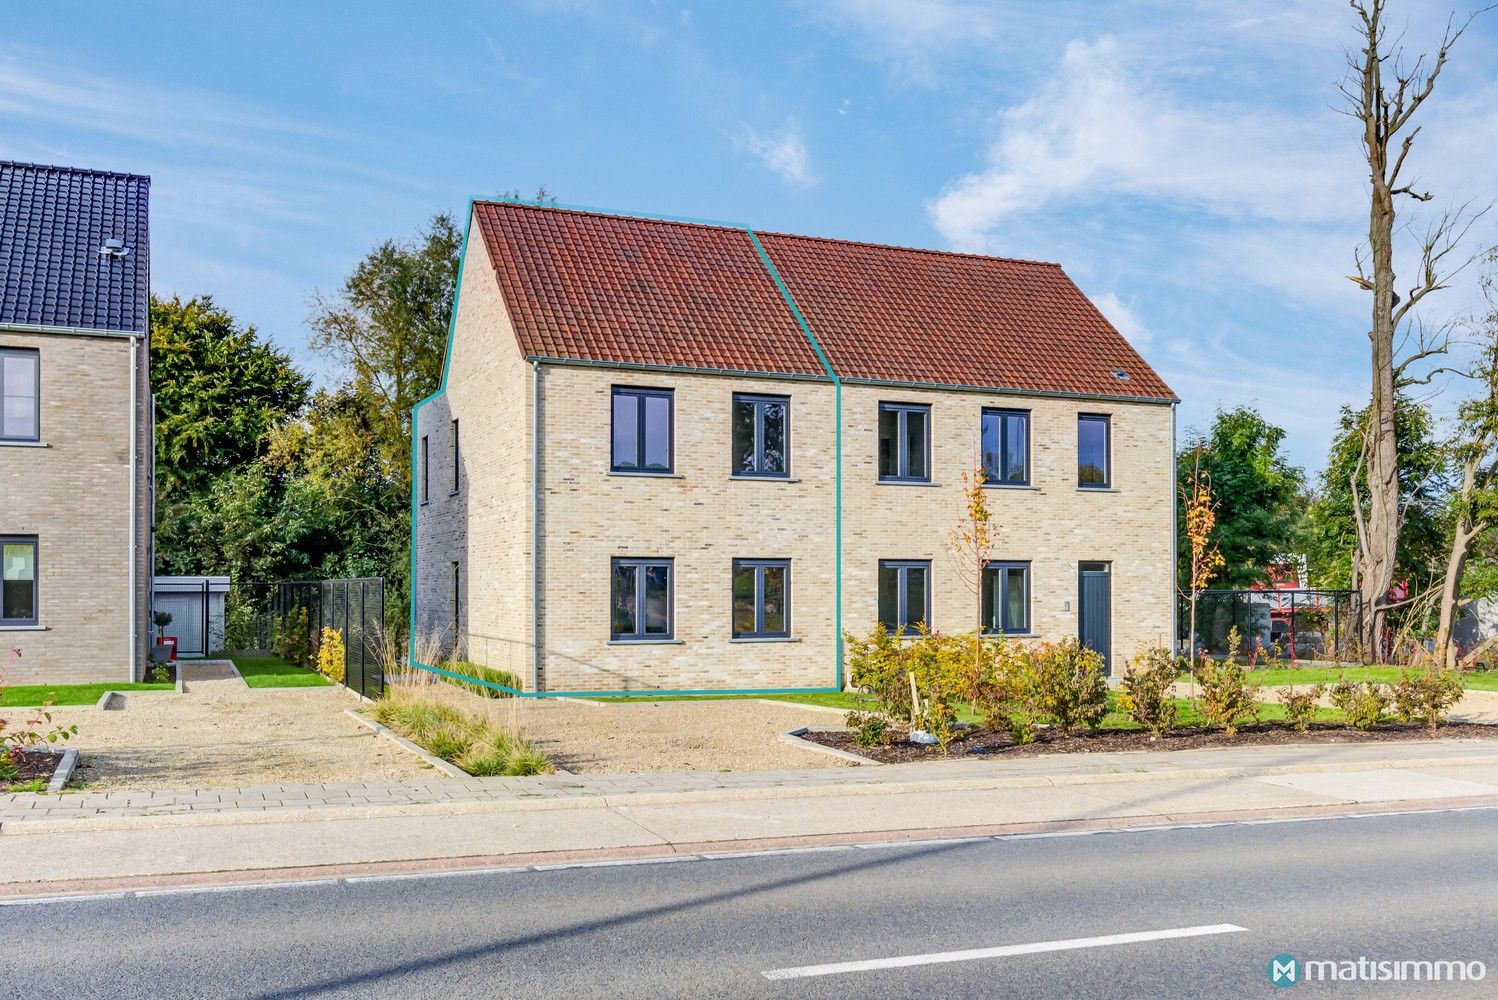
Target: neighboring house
[75, 423]
[651, 436]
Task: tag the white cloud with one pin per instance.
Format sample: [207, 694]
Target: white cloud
[783, 152]
[1126, 321]
[1100, 128]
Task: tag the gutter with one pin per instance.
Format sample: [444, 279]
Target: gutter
[69, 331]
[130, 632]
[536, 656]
[1175, 555]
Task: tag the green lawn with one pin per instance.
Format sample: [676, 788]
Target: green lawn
[1475, 680]
[31, 695]
[274, 672]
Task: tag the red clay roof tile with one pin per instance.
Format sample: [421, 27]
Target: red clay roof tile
[587, 286]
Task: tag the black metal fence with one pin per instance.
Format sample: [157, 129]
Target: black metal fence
[1298, 624]
[354, 608]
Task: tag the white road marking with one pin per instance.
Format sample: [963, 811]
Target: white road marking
[1002, 951]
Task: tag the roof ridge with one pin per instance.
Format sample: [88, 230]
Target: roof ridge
[737, 227]
[63, 168]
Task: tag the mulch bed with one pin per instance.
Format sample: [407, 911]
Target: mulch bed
[989, 744]
[32, 764]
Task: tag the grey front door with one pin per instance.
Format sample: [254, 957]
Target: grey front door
[1095, 606]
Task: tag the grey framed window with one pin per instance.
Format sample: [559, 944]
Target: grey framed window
[1094, 444]
[455, 456]
[18, 580]
[20, 394]
[761, 436]
[457, 604]
[426, 481]
[641, 600]
[643, 437]
[1006, 597]
[905, 595]
[1005, 439]
[905, 442]
[761, 598]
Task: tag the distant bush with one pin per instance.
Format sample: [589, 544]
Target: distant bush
[1146, 691]
[1428, 695]
[1364, 703]
[294, 638]
[332, 658]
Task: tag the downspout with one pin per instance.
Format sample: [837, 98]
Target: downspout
[131, 633]
[1175, 555]
[536, 664]
[837, 387]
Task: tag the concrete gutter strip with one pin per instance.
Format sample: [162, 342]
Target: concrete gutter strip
[437, 762]
[794, 738]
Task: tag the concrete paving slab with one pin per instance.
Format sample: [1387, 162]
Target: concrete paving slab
[1387, 785]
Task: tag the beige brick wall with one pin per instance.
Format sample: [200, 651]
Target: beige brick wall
[73, 495]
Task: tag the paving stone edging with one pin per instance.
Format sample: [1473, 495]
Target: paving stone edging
[795, 738]
[64, 772]
[451, 770]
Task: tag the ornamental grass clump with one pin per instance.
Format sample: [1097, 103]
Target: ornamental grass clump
[1146, 691]
[457, 728]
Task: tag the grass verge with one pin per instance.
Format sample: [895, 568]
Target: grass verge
[1486, 680]
[33, 695]
[274, 672]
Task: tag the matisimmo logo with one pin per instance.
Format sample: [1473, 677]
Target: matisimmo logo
[1287, 970]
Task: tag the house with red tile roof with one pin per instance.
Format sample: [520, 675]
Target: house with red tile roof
[685, 456]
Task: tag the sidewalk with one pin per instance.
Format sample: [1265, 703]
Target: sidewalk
[116, 835]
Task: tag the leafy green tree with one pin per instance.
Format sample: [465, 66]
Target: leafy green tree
[1256, 490]
[1330, 538]
[220, 389]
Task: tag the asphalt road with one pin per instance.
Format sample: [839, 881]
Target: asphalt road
[1397, 887]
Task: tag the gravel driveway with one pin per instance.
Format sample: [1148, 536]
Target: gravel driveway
[223, 734]
[628, 737]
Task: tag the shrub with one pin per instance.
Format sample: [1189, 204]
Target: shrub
[332, 659]
[28, 730]
[1301, 705]
[1427, 695]
[1146, 691]
[870, 729]
[876, 666]
[935, 662]
[1063, 682]
[482, 673]
[1228, 698]
[239, 621]
[294, 638]
[1364, 703]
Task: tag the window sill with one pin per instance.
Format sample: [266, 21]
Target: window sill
[1011, 635]
[764, 479]
[24, 444]
[1097, 489]
[907, 482]
[25, 628]
[1011, 486]
[765, 638]
[647, 642]
[646, 475]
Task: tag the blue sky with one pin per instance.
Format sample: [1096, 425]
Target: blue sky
[1185, 162]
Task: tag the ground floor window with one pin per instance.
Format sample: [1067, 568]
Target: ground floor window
[641, 599]
[1006, 597]
[18, 580]
[904, 595]
[761, 598]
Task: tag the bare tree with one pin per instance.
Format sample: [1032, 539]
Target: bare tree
[1474, 504]
[1384, 90]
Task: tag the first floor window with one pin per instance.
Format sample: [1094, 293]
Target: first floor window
[20, 389]
[904, 595]
[641, 600]
[1006, 597]
[904, 442]
[759, 435]
[1092, 450]
[642, 430]
[18, 581]
[455, 456]
[761, 598]
[1006, 447]
[457, 602]
[425, 477]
